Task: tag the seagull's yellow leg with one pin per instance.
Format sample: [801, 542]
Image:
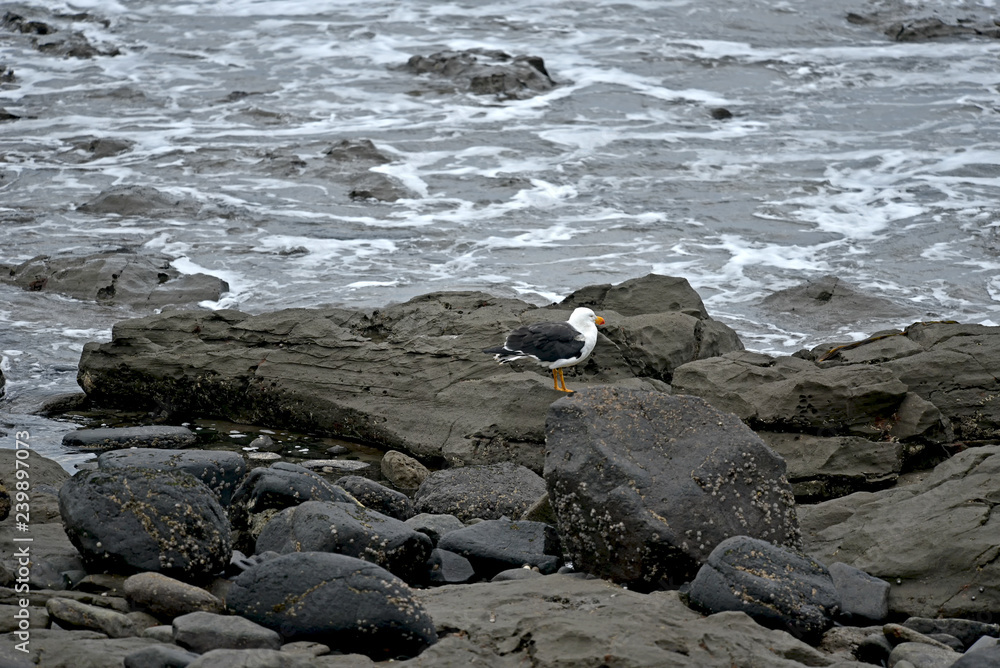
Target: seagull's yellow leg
[562, 380]
[555, 381]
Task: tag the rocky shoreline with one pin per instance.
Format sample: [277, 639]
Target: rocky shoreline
[692, 504]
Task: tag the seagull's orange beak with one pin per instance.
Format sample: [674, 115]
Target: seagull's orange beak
[599, 321]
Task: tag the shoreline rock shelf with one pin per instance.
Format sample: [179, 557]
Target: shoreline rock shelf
[664, 493]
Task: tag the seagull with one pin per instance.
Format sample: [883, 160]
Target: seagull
[552, 344]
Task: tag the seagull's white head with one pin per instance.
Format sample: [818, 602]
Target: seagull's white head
[582, 317]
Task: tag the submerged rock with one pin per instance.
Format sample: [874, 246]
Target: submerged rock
[487, 72]
[115, 277]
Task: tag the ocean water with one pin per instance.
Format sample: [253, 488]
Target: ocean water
[847, 154]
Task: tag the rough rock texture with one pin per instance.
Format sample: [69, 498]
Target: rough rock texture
[378, 497]
[821, 468]
[487, 72]
[348, 604]
[168, 598]
[76, 649]
[488, 492]
[645, 484]
[558, 621]
[134, 520]
[375, 376]
[496, 545]
[222, 471]
[776, 586]
[345, 528]
[933, 540]
[435, 526]
[115, 277]
[105, 438]
[160, 656]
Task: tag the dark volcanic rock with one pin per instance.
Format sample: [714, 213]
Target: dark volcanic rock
[130, 437]
[382, 187]
[222, 471]
[348, 604]
[356, 154]
[280, 486]
[378, 497]
[645, 484]
[934, 540]
[650, 294]
[347, 528]
[134, 520]
[487, 72]
[496, 545]
[776, 586]
[488, 492]
[366, 376]
[115, 277]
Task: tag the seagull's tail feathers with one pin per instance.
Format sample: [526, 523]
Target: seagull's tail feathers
[503, 355]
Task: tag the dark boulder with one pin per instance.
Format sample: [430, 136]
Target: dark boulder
[487, 492]
[487, 72]
[827, 302]
[134, 520]
[120, 277]
[645, 484]
[265, 491]
[492, 546]
[222, 471]
[778, 587]
[371, 376]
[347, 528]
[160, 656]
[378, 497]
[348, 604]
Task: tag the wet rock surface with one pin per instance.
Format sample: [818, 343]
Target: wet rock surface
[488, 492]
[115, 277]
